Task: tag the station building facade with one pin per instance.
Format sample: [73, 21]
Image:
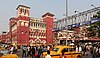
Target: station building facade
[25, 30]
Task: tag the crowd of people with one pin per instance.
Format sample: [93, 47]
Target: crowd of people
[36, 51]
[89, 49]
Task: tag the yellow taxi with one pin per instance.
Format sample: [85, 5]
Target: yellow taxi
[68, 51]
[1, 48]
[4, 54]
[9, 56]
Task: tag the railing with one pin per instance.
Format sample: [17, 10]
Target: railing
[76, 20]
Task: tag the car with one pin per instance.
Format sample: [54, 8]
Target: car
[5, 54]
[5, 51]
[68, 51]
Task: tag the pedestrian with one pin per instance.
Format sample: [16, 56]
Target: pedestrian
[39, 51]
[80, 49]
[11, 49]
[28, 51]
[98, 51]
[24, 49]
[83, 49]
[87, 50]
[36, 54]
[63, 55]
[33, 52]
[48, 54]
[94, 52]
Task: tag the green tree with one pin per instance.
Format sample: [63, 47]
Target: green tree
[94, 29]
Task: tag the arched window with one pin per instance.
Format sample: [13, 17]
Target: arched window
[24, 11]
[20, 10]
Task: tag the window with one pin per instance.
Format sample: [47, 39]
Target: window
[20, 11]
[26, 24]
[55, 49]
[31, 24]
[72, 49]
[22, 23]
[36, 24]
[25, 11]
[26, 32]
[65, 50]
[22, 32]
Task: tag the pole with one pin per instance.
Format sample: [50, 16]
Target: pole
[66, 17]
[66, 37]
[66, 8]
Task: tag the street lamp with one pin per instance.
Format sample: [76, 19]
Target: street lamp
[94, 6]
[76, 11]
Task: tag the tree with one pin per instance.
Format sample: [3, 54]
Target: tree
[94, 29]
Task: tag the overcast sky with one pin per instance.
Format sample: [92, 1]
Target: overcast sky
[39, 7]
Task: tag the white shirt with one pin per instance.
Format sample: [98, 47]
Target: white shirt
[48, 56]
[48, 47]
[11, 49]
[28, 48]
[80, 49]
[76, 49]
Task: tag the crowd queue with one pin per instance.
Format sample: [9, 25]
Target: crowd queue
[36, 51]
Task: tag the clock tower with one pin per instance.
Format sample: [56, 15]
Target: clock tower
[23, 13]
[23, 10]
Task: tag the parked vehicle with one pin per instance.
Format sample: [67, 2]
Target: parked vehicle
[5, 53]
[68, 51]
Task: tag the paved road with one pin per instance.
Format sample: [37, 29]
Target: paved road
[87, 56]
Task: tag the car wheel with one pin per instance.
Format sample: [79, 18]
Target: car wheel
[1, 54]
[78, 57]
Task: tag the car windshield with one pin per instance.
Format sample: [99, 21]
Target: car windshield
[72, 49]
[4, 51]
[55, 49]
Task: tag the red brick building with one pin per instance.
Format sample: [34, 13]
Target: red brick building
[24, 30]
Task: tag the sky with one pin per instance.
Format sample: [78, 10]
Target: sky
[40, 7]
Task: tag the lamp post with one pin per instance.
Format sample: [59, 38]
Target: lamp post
[66, 8]
[66, 14]
[76, 11]
[95, 7]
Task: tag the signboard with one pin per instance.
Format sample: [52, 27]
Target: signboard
[69, 26]
[95, 20]
[76, 25]
[84, 23]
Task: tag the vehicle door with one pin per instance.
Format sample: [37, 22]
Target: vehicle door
[72, 51]
[67, 54]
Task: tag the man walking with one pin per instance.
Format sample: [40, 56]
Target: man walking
[48, 54]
